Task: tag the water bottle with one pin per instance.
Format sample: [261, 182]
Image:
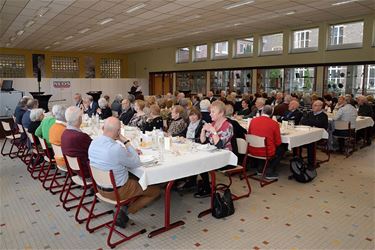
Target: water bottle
[154, 139]
[161, 145]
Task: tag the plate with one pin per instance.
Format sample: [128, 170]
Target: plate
[146, 158]
[361, 117]
[284, 133]
[206, 147]
[302, 126]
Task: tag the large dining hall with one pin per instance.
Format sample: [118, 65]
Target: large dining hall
[187, 124]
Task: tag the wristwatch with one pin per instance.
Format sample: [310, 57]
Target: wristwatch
[126, 142]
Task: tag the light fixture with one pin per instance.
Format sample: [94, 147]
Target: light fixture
[68, 37]
[136, 7]
[344, 2]
[12, 39]
[105, 21]
[7, 45]
[29, 23]
[235, 5]
[83, 31]
[128, 35]
[292, 12]
[197, 32]
[47, 47]
[190, 18]
[42, 11]
[155, 28]
[56, 43]
[237, 24]
[20, 32]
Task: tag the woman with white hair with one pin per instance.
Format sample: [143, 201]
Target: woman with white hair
[104, 111]
[36, 117]
[116, 104]
[204, 106]
[43, 130]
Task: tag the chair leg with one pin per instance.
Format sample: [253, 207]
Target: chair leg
[92, 216]
[2, 148]
[54, 181]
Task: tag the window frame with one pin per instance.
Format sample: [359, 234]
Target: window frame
[303, 50]
[176, 55]
[271, 52]
[347, 45]
[235, 55]
[195, 59]
[213, 57]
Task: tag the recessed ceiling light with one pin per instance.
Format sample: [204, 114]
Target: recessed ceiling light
[105, 21]
[292, 12]
[47, 47]
[20, 32]
[7, 45]
[235, 5]
[344, 2]
[155, 28]
[128, 35]
[237, 24]
[190, 18]
[136, 7]
[197, 32]
[29, 23]
[84, 30]
[12, 38]
[42, 11]
[56, 43]
[68, 37]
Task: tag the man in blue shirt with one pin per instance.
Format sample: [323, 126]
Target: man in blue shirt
[107, 154]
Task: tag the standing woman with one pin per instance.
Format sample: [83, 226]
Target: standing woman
[139, 118]
[219, 133]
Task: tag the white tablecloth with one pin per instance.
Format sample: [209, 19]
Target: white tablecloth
[303, 136]
[188, 164]
[361, 122]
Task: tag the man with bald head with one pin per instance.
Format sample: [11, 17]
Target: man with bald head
[293, 113]
[315, 118]
[105, 153]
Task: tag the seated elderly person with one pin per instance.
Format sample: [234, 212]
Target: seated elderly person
[193, 130]
[364, 109]
[281, 108]
[117, 103]
[315, 118]
[31, 104]
[139, 118]
[218, 133]
[259, 105]
[348, 113]
[43, 130]
[89, 106]
[104, 110]
[56, 131]
[21, 109]
[74, 142]
[106, 154]
[178, 124]
[264, 126]
[245, 111]
[78, 102]
[154, 120]
[36, 117]
[127, 112]
[293, 113]
[204, 107]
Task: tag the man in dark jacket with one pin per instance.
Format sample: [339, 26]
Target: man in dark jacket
[127, 112]
[293, 113]
[364, 109]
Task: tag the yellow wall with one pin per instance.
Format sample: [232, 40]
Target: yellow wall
[48, 60]
[163, 59]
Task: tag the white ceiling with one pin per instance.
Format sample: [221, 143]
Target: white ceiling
[159, 23]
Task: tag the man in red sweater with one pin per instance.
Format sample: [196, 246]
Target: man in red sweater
[74, 142]
[264, 126]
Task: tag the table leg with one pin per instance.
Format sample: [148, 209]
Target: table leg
[314, 154]
[213, 190]
[167, 212]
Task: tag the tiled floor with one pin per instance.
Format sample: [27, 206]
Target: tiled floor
[335, 211]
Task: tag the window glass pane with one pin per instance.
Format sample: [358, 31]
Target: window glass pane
[344, 79]
[272, 43]
[348, 33]
[110, 68]
[200, 52]
[231, 80]
[12, 66]
[65, 67]
[182, 55]
[270, 80]
[244, 47]
[191, 82]
[370, 80]
[220, 49]
[303, 39]
[300, 80]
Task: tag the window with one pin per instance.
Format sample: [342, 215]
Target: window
[231, 80]
[370, 80]
[12, 66]
[110, 68]
[305, 40]
[182, 55]
[200, 52]
[271, 44]
[244, 47]
[65, 67]
[344, 79]
[220, 50]
[347, 35]
[300, 80]
[191, 82]
[269, 80]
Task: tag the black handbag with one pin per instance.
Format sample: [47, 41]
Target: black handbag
[223, 205]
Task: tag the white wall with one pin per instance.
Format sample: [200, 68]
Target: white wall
[109, 87]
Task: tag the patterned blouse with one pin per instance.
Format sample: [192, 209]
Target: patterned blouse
[225, 134]
[138, 121]
[177, 127]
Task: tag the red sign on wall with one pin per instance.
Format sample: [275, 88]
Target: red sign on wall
[61, 84]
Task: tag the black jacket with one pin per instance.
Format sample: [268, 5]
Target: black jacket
[126, 116]
[238, 132]
[107, 112]
[157, 123]
[206, 117]
[198, 131]
[319, 121]
[295, 116]
[365, 110]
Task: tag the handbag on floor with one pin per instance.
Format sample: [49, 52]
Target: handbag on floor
[223, 204]
[300, 171]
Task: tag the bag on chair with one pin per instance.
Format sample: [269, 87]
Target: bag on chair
[223, 205]
[300, 171]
